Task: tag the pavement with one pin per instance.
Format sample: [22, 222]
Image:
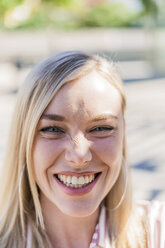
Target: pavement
[145, 128]
[145, 120]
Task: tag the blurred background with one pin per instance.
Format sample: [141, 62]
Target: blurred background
[129, 32]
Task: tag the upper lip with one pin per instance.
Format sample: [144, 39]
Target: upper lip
[72, 173]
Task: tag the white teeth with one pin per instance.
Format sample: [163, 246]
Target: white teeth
[86, 179]
[76, 182]
[81, 180]
[59, 176]
[68, 180]
[64, 178]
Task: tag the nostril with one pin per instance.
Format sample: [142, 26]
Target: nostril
[78, 156]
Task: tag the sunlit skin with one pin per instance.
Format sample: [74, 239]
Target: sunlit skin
[81, 131]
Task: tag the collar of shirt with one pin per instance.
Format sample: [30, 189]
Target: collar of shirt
[100, 237]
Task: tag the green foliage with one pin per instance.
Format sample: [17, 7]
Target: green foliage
[108, 15]
[150, 7]
[72, 14]
[48, 17]
[5, 5]
[37, 21]
[60, 2]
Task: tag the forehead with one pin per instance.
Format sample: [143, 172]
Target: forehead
[91, 94]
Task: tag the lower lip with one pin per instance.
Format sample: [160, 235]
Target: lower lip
[77, 191]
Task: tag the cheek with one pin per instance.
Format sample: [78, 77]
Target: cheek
[45, 153]
[109, 150]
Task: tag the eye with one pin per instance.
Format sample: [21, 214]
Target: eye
[52, 131]
[102, 129]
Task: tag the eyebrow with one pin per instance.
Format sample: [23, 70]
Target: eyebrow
[53, 117]
[61, 118]
[104, 117]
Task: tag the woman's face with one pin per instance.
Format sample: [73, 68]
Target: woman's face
[77, 153]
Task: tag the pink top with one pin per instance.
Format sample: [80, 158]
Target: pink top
[100, 237]
[155, 212]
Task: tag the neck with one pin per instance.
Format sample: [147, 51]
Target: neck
[67, 231]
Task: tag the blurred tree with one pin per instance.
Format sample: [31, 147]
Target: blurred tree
[5, 5]
[93, 2]
[150, 7]
[74, 14]
[60, 2]
[108, 15]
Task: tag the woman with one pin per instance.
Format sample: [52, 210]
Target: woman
[66, 181]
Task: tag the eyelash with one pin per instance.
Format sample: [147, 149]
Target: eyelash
[102, 129]
[54, 129]
[49, 129]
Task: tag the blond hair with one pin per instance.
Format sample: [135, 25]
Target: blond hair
[19, 200]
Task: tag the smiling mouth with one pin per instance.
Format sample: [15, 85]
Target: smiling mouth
[76, 181]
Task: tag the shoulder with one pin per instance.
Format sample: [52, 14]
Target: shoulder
[154, 213]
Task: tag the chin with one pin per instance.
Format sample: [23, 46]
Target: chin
[77, 210]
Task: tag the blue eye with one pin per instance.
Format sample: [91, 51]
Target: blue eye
[101, 129]
[52, 129]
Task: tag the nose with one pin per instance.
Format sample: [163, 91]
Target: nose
[78, 152]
